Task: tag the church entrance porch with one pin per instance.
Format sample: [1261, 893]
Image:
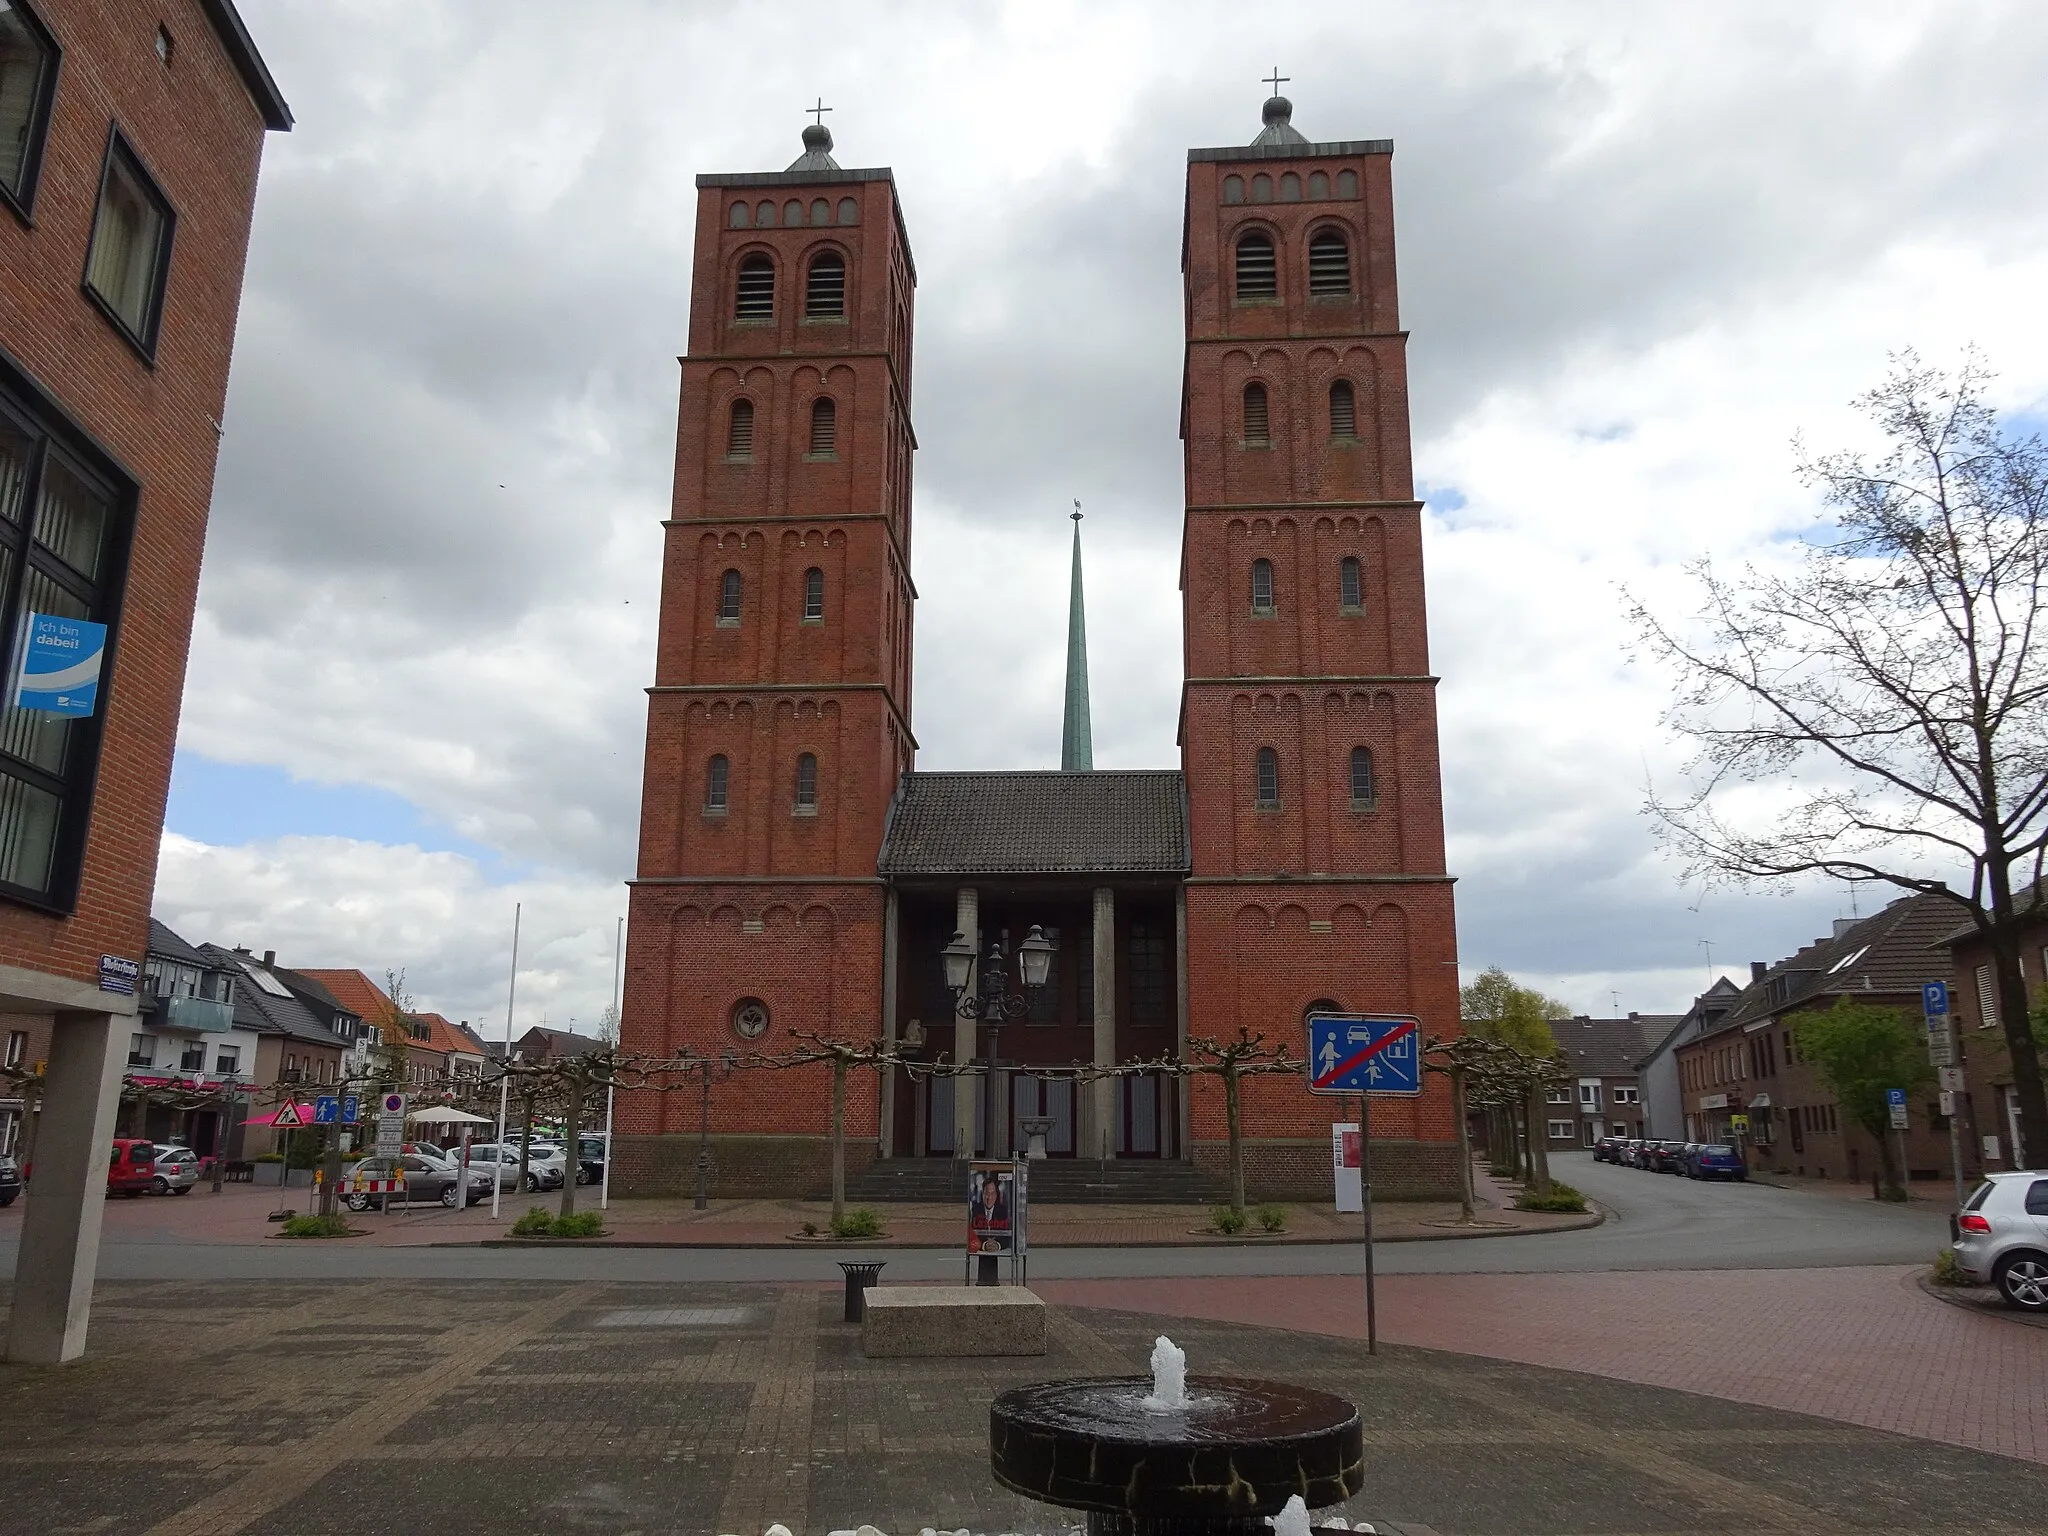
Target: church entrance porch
[1111, 998]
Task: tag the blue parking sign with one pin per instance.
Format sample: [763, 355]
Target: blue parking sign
[1934, 999]
[1356, 1053]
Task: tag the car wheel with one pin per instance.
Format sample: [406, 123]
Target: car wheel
[182, 1189]
[6, 1201]
[2022, 1281]
[160, 1184]
[451, 1197]
[582, 1175]
[533, 1183]
[358, 1202]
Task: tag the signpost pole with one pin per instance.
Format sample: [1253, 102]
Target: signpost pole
[504, 1065]
[1372, 1328]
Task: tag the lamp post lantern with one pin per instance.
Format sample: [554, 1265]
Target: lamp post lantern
[988, 998]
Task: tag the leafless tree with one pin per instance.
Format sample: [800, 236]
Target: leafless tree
[1888, 692]
[1233, 1061]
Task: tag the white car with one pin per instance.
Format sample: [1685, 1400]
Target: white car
[542, 1171]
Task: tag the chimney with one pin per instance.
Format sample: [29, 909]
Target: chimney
[1756, 971]
[241, 949]
[270, 957]
[1844, 924]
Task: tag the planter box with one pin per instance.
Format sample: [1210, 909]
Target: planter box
[268, 1173]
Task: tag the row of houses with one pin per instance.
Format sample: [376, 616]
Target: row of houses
[220, 1030]
[1730, 1068]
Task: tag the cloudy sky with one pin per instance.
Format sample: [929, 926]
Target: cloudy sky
[1640, 248]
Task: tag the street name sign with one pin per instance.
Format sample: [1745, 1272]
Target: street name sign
[1358, 1053]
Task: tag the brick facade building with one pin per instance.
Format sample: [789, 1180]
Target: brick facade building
[129, 143]
[795, 872]
[1990, 1109]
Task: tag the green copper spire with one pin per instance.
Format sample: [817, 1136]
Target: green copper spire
[1077, 741]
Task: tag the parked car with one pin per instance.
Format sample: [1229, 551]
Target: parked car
[10, 1181]
[177, 1170]
[132, 1166]
[542, 1172]
[2002, 1238]
[1667, 1156]
[590, 1152]
[1631, 1151]
[1607, 1150]
[425, 1180]
[1715, 1160]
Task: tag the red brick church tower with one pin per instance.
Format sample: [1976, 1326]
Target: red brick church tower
[778, 724]
[1308, 715]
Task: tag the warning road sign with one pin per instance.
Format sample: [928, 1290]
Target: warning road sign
[288, 1117]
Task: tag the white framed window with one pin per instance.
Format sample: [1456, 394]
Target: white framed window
[1627, 1096]
[1560, 1096]
[1589, 1096]
[1561, 1130]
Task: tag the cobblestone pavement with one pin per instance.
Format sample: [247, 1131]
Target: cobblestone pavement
[508, 1408]
[1862, 1345]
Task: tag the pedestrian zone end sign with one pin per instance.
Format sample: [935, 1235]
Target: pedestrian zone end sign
[1356, 1053]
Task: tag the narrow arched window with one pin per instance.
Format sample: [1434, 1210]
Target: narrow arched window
[793, 213]
[1257, 418]
[806, 784]
[1290, 188]
[1343, 412]
[754, 298]
[1329, 264]
[1347, 183]
[1318, 186]
[729, 598]
[821, 211]
[739, 430]
[849, 211]
[824, 427]
[1233, 189]
[1257, 277]
[1262, 586]
[1269, 779]
[742, 215]
[1363, 792]
[717, 783]
[1350, 584]
[825, 289]
[814, 596]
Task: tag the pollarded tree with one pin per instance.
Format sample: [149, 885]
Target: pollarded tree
[1888, 691]
[1497, 1008]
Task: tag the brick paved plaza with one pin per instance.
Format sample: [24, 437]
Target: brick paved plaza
[459, 1408]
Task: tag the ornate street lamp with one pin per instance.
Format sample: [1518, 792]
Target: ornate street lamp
[993, 1001]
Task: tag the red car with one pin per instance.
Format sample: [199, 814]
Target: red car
[132, 1168]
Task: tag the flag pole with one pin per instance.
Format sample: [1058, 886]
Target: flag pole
[604, 1188]
[504, 1075]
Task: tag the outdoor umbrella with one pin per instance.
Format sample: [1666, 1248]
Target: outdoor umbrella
[305, 1113]
[447, 1117]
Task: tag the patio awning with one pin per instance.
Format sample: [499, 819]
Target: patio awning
[305, 1116]
[447, 1117]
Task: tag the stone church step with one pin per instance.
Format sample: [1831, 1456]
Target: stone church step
[1054, 1181]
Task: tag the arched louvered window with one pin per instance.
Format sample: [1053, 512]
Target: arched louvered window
[1269, 779]
[1262, 586]
[814, 596]
[754, 297]
[1363, 792]
[806, 784]
[729, 598]
[824, 427]
[717, 783]
[1343, 412]
[1350, 583]
[825, 288]
[739, 430]
[1329, 264]
[1257, 417]
[1257, 277]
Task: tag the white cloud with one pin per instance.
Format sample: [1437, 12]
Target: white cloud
[1640, 248]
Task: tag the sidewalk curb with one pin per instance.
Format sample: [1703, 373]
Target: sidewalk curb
[1591, 1219]
[1969, 1298]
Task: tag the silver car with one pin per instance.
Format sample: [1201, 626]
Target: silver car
[2002, 1238]
[177, 1170]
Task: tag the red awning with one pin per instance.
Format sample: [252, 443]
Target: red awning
[305, 1116]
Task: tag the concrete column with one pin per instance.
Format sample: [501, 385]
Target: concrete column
[966, 918]
[1103, 1096]
[60, 1234]
[885, 1133]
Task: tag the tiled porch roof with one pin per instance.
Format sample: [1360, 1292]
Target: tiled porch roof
[1038, 823]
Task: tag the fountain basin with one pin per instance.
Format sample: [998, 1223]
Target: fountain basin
[1238, 1451]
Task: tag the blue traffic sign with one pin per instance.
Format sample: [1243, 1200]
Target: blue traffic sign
[1934, 999]
[1896, 1097]
[1353, 1053]
[351, 1111]
[326, 1110]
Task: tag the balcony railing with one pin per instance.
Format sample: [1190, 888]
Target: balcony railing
[200, 1013]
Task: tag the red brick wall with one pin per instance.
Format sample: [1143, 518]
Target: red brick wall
[761, 902]
[199, 134]
[1317, 898]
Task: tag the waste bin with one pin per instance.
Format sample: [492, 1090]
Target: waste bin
[858, 1278]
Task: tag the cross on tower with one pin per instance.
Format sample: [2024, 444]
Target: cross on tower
[1076, 513]
[818, 112]
[1276, 79]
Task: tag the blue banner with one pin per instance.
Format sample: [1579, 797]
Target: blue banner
[60, 665]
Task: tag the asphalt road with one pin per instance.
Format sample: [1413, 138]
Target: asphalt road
[1655, 1222]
